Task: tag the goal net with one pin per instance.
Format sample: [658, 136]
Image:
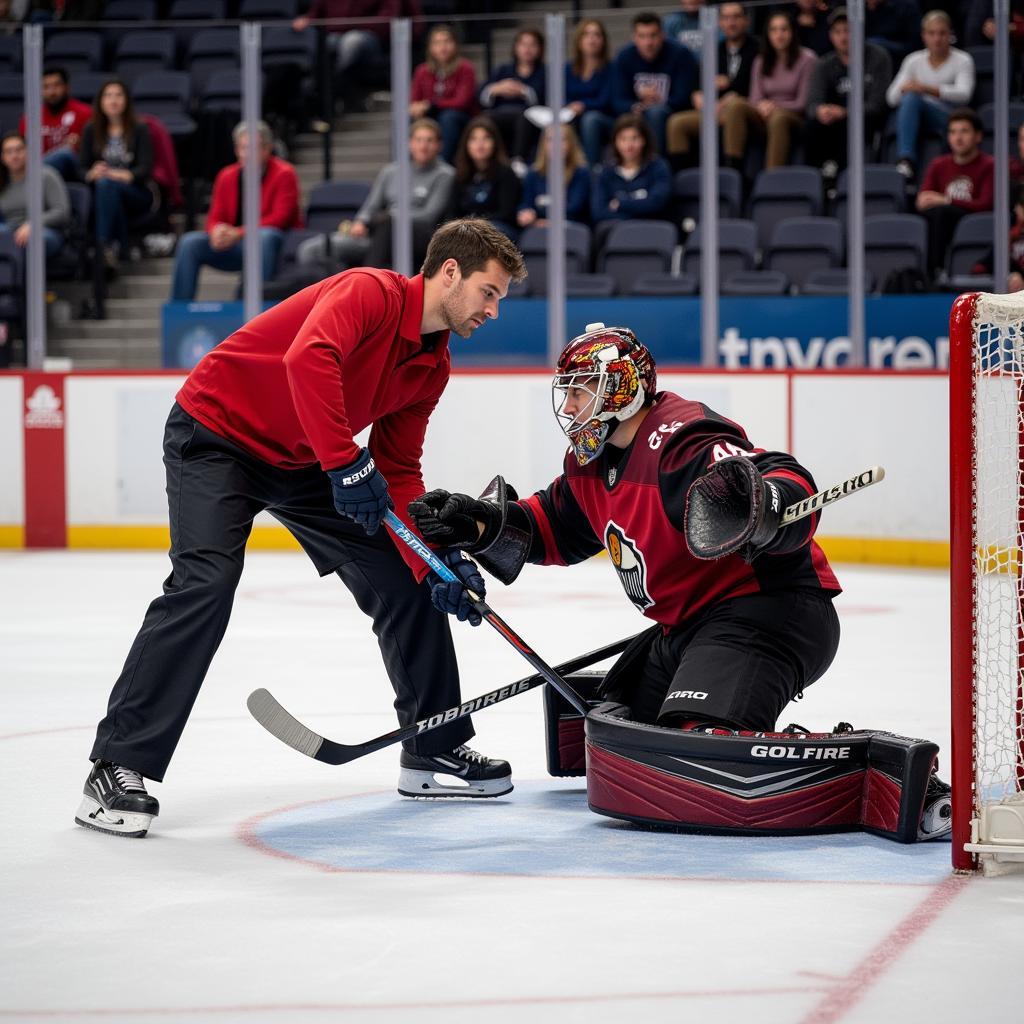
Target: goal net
[987, 540]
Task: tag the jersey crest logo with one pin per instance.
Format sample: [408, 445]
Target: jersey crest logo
[629, 564]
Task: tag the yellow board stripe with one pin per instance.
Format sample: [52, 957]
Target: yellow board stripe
[871, 550]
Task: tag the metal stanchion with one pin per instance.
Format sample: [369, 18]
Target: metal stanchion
[855, 186]
[401, 78]
[35, 277]
[709, 331]
[252, 271]
[555, 31]
[1001, 146]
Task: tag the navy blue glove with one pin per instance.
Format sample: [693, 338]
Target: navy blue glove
[452, 598]
[361, 492]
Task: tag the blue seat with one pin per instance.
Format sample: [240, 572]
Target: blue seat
[833, 281]
[130, 10]
[756, 282]
[635, 248]
[222, 91]
[737, 248]
[74, 51]
[686, 190]
[86, 85]
[210, 50]
[282, 45]
[140, 52]
[885, 191]
[894, 241]
[987, 113]
[334, 201]
[973, 240]
[533, 243]
[781, 193]
[801, 245]
[167, 95]
[258, 10]
[10, 53]
[665, 284]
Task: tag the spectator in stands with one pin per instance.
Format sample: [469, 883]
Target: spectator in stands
[812, 30]
[653, 76]
[511, 89]
[638, 185]
[356, 46]
[980, 28]
[63, 119]
[892, 24]
[955, 184]
[1015, 281]
[779, 83]
[221, 244]
[828, 95]
[533, 206]
[736, 53]
[117, 160]
[1017, 162]
[683, 26]
[14, 199]
[588, 86]
[929, 83]
[444, 88]
[485, 184]
[12, 15]
[367, 239]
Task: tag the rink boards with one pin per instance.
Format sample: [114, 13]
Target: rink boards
[81, 466]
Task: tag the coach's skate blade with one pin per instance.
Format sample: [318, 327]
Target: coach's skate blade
[117, 823]
[412, 782]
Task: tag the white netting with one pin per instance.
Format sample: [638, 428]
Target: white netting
[998, 526]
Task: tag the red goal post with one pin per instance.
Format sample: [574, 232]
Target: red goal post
[986, 393]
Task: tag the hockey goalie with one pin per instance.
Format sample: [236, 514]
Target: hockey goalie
[683, 733]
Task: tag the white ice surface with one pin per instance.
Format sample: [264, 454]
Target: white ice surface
[360, 906]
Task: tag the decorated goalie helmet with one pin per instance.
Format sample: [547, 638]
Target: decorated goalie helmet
[602, 378]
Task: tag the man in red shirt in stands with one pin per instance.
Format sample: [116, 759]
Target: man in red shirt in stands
[266, 422]
[220, 245]
[955, 184]
[63, 118]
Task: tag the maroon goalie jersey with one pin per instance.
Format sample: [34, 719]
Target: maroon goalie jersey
[631, 502]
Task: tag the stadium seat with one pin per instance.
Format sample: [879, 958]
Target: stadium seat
[972, 241]
[196, 10]
[589, 286]
[987, 113]
[633, 248]
[211, 50]
[75, 51]
[686, 189]
[801, 245]
[737, 248]
[130, 10]
[261, 9]
[784, 192]
[756, 282]
[984, 70]
[70, 262]
[665, 284]
[833, 281]
[12, 101]
[281, 45]
[885, 191]
[331, 202]
[222, 91]
[519, 289]
[11, 281]
[533, 243]
[86, 85]
[139, 52]
[894, 241]
[10, 53]
[166, 94]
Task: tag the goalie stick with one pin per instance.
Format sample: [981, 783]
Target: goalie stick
[276, 720]
[816, 502]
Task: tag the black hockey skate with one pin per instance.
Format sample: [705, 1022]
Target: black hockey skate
[116, 801]
[937, 815]
[462, 772]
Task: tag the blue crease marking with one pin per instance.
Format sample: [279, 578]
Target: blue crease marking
[545, 829]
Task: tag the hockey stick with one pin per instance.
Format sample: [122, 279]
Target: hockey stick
[276, 720]
[407, 537]
[814, 503]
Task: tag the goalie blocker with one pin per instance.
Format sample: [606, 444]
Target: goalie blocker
[758, 784]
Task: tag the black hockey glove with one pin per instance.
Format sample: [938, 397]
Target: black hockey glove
[361, 492]
[453, 598]
[731, 509]
[455, 519]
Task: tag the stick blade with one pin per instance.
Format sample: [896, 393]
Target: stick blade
[263, 706]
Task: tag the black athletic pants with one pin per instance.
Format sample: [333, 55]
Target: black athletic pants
[214, 491]
[739, 663]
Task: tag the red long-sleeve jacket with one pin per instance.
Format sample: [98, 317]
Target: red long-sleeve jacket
[456, 91]
[279, 197]
[296, 383]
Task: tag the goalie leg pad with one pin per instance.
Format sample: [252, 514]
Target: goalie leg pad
[563, 725]
[755, 783]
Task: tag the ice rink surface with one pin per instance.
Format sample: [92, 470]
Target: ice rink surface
[275, 888]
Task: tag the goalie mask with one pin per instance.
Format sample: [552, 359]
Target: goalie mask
[602, 378]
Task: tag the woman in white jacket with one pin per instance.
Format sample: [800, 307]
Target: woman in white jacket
[928, 85]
